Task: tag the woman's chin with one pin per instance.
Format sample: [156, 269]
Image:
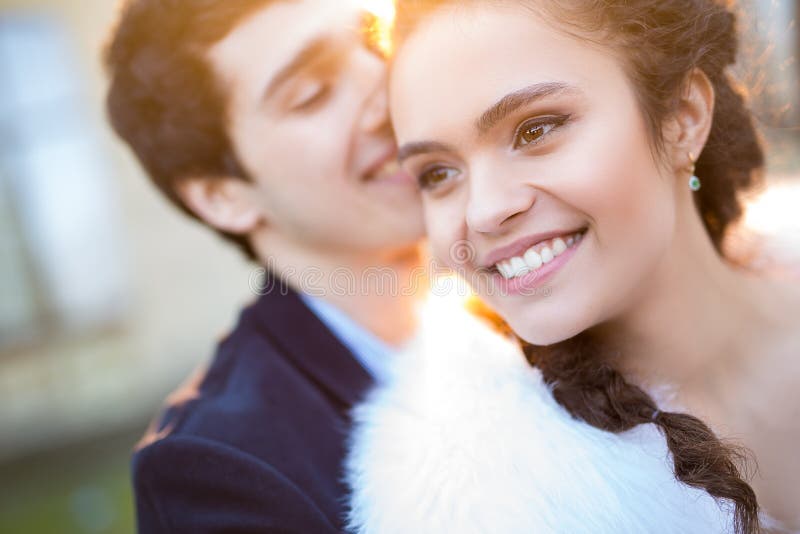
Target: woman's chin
[546, 333]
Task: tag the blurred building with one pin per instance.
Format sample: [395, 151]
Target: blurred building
[109, 295]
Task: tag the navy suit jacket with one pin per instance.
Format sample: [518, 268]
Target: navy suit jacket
[256, 442]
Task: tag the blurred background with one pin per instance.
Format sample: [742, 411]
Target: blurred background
[109, 297]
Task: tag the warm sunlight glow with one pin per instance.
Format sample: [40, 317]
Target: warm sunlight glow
[775, 211]
[381, 29]
[451, 288]
[383, 9]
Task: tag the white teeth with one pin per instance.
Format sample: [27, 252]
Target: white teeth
[518, 266]
[510, 269]
[500, 269]
[532, 259]
[559, 246]
[505, 269]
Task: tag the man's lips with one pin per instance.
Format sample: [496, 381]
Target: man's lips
[518, 247]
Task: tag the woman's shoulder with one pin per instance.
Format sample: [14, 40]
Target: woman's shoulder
[466, 437]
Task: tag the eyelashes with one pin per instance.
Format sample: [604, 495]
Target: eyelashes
[310, 96]
[435, 176]
[530, 133]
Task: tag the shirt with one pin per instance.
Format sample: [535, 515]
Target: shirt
[371, 352]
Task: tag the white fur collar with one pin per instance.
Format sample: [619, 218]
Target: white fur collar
[466, 438]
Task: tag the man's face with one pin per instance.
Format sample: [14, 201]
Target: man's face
[307, 116]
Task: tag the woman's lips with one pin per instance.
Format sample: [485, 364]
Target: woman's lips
[533, 257]
[529, 281]
[522, 245]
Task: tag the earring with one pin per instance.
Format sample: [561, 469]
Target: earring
[694, 181]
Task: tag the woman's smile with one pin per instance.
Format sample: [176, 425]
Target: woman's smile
[527, 271]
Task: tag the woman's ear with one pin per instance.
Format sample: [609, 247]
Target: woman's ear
[688, 130]
[227, 204]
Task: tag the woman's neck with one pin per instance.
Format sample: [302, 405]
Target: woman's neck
[696, 322]
[723, 343]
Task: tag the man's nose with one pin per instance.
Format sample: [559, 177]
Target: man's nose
[493, 202]
[375, 114]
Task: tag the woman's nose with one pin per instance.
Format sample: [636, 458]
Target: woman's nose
[494, 202]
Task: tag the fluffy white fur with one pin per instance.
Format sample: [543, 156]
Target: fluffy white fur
[466, 438]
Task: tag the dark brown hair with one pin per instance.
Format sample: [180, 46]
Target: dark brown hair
[659, 42]
[164, 100]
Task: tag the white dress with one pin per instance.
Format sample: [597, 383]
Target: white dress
[466, 438]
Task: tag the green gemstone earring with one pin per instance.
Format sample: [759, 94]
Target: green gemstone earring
[694, 181]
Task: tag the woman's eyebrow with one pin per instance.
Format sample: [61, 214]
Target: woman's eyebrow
[421, 147]
[497, 112]
[513, 101]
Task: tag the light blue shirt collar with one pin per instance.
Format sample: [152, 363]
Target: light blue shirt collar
[371, 352]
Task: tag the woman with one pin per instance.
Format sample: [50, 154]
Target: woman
[590, 155]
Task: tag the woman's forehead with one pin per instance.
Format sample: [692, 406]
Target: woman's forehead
[454, 67]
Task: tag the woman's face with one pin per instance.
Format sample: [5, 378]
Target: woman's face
[539, 184]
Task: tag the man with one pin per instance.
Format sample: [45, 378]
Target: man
[267, 120]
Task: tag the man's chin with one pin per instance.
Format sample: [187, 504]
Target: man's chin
[409, 254]
[398, 251]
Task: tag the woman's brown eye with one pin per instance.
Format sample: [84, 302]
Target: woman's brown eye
[533, 132]
[435, 176]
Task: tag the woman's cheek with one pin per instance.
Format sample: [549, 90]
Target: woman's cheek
[442, 226]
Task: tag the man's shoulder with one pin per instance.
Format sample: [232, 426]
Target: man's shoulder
[266, 424]
[192, 484]
[248, 399]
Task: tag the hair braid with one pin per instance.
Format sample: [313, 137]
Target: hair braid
[596, 393]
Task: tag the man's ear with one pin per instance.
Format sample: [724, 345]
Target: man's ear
[688, 129]
[227, 204]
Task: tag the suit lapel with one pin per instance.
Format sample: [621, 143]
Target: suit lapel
[309, 344]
